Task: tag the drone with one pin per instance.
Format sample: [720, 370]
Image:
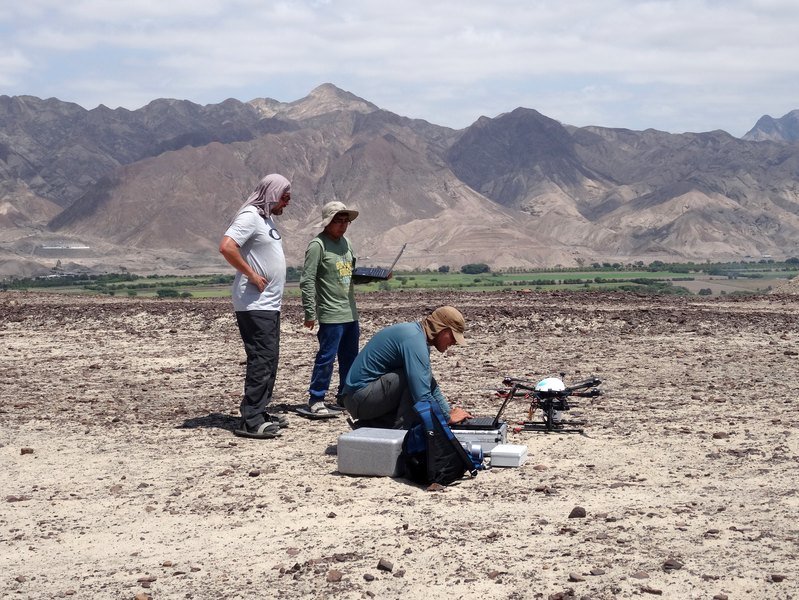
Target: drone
[552, 397]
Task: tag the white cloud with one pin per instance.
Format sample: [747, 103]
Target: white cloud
[12, 64]
[448, 61]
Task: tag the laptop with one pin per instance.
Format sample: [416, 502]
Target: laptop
[484, 422]
[365, 274]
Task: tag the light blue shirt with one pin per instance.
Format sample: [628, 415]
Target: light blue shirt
[400, 347]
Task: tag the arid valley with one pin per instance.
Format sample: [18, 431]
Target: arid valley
[121, 476]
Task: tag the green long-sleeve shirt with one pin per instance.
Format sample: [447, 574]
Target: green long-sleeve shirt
[326, 282]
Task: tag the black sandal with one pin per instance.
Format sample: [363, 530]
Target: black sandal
[264, 431]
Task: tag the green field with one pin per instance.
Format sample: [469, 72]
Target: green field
[706, 279]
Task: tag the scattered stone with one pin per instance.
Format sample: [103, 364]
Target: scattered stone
[17, 498]
[540, 468]
[650, 590]
[254, 473]
[400, 573]
[435, 487]
[26, 450]
[578, 512]
[385, 565]
[777, 578]
[672, 564]
[368, 577]
[640, 575]
[334, 576]
[142, 596]
[20, 579]
[598, 571]
[576, 577]
[194, 568]
[721, 597]
[167, 563]
[292, 551]
[493, 574]
[331, 515]
[721, 435]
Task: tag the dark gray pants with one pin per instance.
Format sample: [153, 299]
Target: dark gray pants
[260, 332]
[385, 402]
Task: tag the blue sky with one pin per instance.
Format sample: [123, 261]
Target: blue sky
[674, 65]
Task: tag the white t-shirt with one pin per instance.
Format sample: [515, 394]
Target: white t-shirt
[262, 248]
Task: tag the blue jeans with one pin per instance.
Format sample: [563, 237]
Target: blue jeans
[335, 340]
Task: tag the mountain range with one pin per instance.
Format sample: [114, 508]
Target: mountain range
[152, 190]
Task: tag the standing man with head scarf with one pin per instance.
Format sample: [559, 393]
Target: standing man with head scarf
[392, 371]
[328, 297]
[253, 246]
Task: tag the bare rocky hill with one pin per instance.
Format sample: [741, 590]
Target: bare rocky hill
[153, 189]
[784, 129]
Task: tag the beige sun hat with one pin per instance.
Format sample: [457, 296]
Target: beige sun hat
[331, 209]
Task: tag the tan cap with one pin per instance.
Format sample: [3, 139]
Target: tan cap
[331, 209]
[450, 317]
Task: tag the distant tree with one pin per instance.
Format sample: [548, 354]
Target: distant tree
[792, 261]
[167, 293]
[445, 268]
[475, 268]
[705, 292]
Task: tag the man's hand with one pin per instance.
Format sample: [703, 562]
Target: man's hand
[259, 282]
[457, 415]
[309, 324]
[232, 253]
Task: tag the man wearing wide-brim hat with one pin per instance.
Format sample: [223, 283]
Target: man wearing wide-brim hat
[328, 297]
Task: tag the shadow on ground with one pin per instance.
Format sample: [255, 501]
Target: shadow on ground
[211, 421]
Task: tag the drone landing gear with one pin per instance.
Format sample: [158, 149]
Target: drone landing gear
[553, 421]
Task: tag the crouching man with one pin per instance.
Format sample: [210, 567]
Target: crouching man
[392, 371]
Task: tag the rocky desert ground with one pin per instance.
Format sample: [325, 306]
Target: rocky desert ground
[121, 477]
